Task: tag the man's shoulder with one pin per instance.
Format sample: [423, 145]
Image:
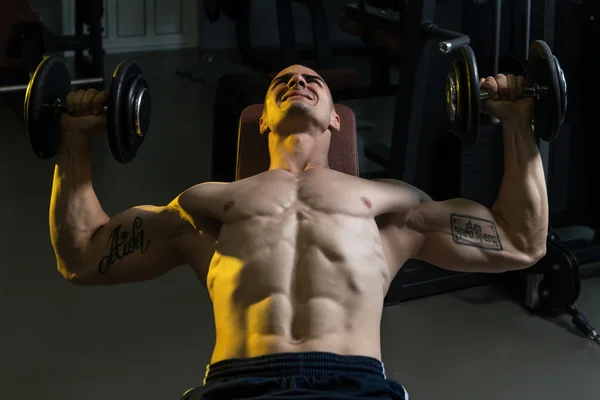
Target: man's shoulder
[205, 189]
[201, 196]
[216, 192]
[402, 188]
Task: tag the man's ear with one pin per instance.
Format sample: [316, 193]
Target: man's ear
[334, 124]
[264, 126]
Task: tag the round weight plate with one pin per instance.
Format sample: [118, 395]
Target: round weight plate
[562, 83]
[139, 106]
[50, 83]
[123, 138]
[471, 103]
[463, 98]
[453, 99]
[212, 10]
[542, 70]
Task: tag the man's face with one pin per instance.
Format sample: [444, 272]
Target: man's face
[298, 100]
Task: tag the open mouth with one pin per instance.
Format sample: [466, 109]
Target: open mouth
[294, 95]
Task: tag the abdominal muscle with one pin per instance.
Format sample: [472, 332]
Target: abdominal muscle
[298, 282]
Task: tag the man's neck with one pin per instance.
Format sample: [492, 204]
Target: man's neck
[299, 151]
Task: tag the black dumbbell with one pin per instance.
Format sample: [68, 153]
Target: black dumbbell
[548, 87]
[127, 110]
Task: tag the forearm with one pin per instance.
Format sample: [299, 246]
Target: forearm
[75, 212]
[522, 204]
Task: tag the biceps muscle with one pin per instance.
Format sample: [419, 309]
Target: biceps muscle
[134, 245]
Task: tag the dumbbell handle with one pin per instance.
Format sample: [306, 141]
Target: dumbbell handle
[62, 107]
[533, 91]
[20, 88]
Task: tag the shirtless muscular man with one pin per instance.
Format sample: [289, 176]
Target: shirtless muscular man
[297, 260]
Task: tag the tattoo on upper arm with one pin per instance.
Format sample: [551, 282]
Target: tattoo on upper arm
[122, 243]
[475, 232]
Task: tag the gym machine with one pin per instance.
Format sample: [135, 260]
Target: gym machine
[287, 53]
[394, 36]
[342, 80]
[88, 17]
[267, 60]
[29, 40]
[405, 30]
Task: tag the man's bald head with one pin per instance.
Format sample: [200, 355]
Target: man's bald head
[297, 97]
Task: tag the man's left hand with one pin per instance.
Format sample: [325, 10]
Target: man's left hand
[505, 103]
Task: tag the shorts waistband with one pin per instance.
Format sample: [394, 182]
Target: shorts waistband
[294, 364]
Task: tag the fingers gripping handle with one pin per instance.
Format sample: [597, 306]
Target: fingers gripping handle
[534, 91]
[60, 107]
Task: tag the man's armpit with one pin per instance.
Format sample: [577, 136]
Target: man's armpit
[475, 232]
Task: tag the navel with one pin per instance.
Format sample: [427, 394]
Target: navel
[228, 206]
[366, 202]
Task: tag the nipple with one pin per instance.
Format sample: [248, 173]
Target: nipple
[366, 202]
[228, 206]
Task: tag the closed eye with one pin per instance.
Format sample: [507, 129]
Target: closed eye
[314, 79]
[307, 77]
[277, 82]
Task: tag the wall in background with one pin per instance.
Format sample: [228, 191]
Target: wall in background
[143, 25]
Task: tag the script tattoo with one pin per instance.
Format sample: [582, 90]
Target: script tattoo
[121, 244]
[475, 232]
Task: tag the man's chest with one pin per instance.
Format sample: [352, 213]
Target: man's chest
[280, 193]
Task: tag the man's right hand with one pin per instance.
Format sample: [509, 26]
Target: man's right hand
[85, 118]
[505, 103]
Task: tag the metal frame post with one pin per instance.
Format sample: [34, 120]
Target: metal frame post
[412, 85]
